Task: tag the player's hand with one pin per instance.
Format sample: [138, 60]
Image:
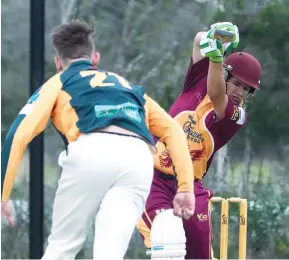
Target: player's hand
[228, 34]
[221, 38]
[213, 49]
[184, 204]
[224, 32]
[6, 211]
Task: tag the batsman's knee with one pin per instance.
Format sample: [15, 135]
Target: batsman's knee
[168, 239]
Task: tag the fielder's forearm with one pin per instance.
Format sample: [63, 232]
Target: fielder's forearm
[180, 158]
[170, 132]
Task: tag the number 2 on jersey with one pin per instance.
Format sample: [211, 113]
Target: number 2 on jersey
[100, 77]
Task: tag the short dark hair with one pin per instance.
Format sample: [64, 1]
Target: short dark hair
[73, 40]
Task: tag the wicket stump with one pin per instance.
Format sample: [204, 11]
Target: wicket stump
[243, 211]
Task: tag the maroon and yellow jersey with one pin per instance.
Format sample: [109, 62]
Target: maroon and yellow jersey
[204, 132]
[83, 99]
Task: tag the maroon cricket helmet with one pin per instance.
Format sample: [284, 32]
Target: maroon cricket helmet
[245, 67]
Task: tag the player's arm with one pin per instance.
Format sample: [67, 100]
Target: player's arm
[199, 63]
[169, 131]
[226, 41]
[212, 47]
[196, 53]
[216, 88]
[234, 119]
[30, 122]
[198, 67]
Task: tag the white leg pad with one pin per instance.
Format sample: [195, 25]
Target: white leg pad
[168, 239]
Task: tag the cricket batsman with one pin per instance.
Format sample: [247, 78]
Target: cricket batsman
[210, 111]
[107, 124]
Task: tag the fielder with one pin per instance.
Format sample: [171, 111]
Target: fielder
[108, 164]
[210, 111]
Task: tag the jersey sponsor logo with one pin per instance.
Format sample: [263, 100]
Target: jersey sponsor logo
[129, 109]
[202, 217]
[192, 135]
[192, 120]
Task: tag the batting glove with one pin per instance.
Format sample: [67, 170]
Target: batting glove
[221, 38]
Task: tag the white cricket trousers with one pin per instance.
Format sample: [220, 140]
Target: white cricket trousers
[105, 180]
